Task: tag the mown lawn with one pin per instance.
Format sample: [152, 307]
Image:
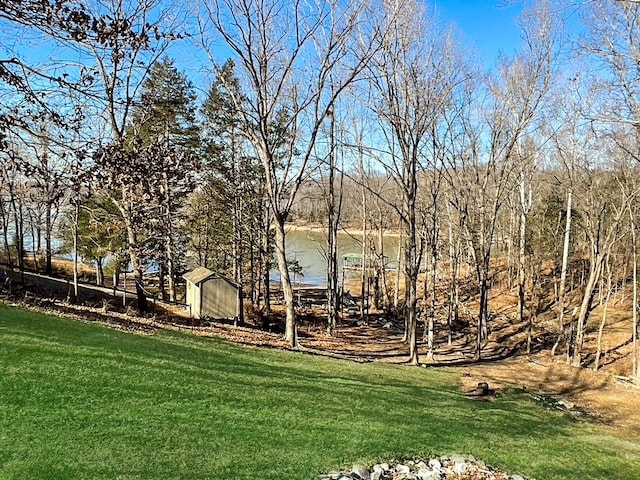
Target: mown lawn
[83, 401]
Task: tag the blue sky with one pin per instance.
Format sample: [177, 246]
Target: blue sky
[485, 25]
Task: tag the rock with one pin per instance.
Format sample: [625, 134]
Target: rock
[442, 468]
[460, 468]
[361, 471]
[566, 404]
[428, 475]
[377, 472]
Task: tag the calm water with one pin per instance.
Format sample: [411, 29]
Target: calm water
[309, 249]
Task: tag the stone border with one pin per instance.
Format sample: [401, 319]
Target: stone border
[441, 468]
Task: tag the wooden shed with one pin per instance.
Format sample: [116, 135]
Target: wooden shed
[210, 295]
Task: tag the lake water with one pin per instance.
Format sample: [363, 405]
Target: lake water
[309, 248]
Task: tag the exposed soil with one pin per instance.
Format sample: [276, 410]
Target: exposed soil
[577, 390]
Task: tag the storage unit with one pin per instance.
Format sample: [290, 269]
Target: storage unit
[210, 295]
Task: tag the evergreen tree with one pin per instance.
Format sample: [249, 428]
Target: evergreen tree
[165, 123]
[234, 188]
[166, 112]
[101, 233]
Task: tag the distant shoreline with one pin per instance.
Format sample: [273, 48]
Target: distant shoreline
[318, 228]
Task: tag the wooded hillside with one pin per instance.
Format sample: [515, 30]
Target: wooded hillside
[374, 116]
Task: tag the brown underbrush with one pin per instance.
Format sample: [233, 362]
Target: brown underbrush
[378, 337]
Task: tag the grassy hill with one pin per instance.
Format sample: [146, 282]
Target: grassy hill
[81, 400]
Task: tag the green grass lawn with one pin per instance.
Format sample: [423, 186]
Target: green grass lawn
[84, 401]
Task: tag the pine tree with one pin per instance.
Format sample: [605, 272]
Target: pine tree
[165, 123]
[101, 232]
[235, 184]
[166, 112]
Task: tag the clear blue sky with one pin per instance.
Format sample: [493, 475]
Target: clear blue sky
[485, 25]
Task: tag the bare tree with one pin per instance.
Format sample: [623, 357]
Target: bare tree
[333, 188]
[294, 60]
[485, 176]
[572, 141]
[14, 197]
[130, 39]
[613, 41]
[604, 207]
[414, 75]
[117, 42]
[634, 246]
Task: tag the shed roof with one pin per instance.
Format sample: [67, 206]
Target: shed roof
[198, 275]
[202, 274]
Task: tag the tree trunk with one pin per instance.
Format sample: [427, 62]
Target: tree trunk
[512, 227]
[482, 313]
[533, 315]
[412, 260]
[411, 296]
[585, 308]
[253, 291]
[363, 273]
[333, 214]
[636, 358]
[396, 294]
[522, 251]
[563, 272]
[596, 362]
[454, 263]
[4, 214]
[332, 274]
[434, 299]
[142, 304]
[34, 250]
[99, 272]
[132, 241]
[383, 266]
[141, 296]
[287, 289]
[162, 275]
[18, 220]
[47, 240]
[169, 250]
[75, 250]
[265, 259]
[171, 270]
